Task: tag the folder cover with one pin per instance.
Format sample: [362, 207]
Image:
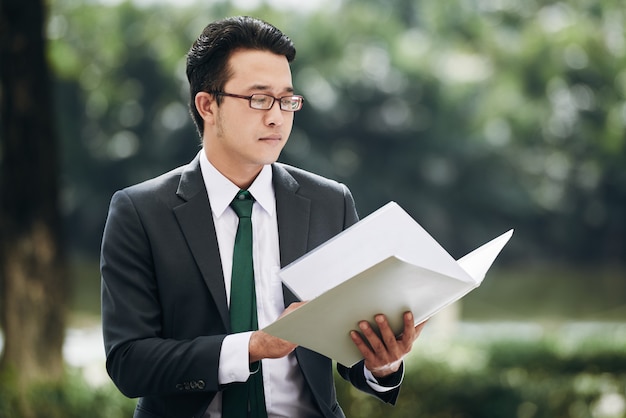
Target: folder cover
[386, 263]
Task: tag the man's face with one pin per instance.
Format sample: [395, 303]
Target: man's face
[239, 137]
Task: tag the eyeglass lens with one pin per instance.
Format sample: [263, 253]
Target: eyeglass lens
[262, 101]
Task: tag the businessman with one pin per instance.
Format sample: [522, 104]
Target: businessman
[189, 258]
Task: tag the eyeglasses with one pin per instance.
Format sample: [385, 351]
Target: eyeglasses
[266, 102]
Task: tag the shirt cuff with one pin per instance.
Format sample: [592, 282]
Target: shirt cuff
[234, 363]
[390, 383]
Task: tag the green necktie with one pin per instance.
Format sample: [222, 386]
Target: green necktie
[237, 397]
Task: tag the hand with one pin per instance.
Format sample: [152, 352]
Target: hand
[386, 352]
[263, 345]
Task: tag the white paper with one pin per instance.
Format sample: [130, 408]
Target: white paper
[385, 263]
[389, 231]
[478, 261]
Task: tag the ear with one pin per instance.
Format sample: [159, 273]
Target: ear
[206, 106]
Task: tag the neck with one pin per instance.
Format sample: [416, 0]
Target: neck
[241, 176]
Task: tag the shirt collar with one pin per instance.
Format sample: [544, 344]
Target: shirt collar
[222, 191]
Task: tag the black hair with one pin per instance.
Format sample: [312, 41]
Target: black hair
[207, 59]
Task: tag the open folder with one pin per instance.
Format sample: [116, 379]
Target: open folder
[386, 263]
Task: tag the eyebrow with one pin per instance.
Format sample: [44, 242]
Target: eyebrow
[263, 87]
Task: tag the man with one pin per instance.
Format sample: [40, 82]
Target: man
[168, 246]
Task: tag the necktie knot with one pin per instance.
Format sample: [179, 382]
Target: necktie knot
[242, 204]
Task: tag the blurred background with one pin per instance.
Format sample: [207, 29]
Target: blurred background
[475, 116]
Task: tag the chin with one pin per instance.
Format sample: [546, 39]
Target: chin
[268, 158]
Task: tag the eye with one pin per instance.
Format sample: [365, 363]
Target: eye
[261, 101]
[292, 103]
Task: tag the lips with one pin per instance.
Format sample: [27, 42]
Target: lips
[271, 138]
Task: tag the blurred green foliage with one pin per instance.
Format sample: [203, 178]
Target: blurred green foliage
[474, 116]
[501, 379]
[547, 295]
[72, 398]
[505, 379]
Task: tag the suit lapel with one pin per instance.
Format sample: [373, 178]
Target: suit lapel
[293, 212]
[196, 221]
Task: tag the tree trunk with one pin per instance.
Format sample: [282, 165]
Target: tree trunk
[33, 268]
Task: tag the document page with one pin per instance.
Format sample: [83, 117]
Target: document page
[389, 231]
[385, 263]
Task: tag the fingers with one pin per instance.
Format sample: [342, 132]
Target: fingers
[383, 352]
[360, 344]
[373, 342]
[263, 345]
[292, 307]
[377, 351]
[409, 335]
[390, 344]
[419, 327]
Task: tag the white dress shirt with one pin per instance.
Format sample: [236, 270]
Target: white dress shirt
[283, 382]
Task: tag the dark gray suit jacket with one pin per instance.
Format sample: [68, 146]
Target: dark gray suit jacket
[164, 307]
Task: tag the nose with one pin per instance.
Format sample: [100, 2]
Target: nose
[274, 116]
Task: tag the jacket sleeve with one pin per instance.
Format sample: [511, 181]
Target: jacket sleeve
[356, 377]
[141, 358]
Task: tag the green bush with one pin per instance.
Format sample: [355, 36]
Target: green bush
[73, 398]
[505, 380]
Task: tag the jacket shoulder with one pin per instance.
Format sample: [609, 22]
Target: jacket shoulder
[165, 181]
[154, 193]
[308, 180]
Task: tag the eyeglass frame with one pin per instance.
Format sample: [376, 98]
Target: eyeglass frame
[274, 99]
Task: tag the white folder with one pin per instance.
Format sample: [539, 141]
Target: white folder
[386, 263]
